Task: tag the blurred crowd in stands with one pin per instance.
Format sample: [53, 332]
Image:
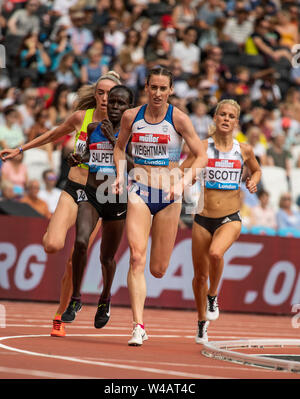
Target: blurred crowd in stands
[241, 49]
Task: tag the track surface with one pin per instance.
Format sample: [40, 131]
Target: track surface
[27, 351]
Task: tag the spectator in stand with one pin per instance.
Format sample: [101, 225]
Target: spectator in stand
[11, 134]
[239, 27]
[32, 55]
[15, 172]
[286, 216]
[47, 88]
[25, 21]
[133, 44]
[28, 108]
[292, 101]
[59, 47]
[101, 16]
[243, 76]
[68, 72]
[209, 12]
[200, 119]
[62, 7]
[31, 198]
[288, 31]
[263, 214]
[59, 109]
[41, 125]
[258, 142]
[287, 125]
[113, 35]
[118, 10]
[278, 156]
[80, 37]
[158, 47]
[50, 194]
[266, 76]
[210, 76]
[95, 67]
[187, 52]
[7, 191]
[183, 15]
[262, 44]
[267, 99]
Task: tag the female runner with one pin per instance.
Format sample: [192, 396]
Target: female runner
[218, 225]
[156, 130]
[91, 107]
[101, 203]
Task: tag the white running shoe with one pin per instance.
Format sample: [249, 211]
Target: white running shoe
[202, 336]
[138, 336]
[212, 310]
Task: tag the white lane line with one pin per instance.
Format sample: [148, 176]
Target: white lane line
[103, 364]
[186, 331]
[42, 374]
[176, 364]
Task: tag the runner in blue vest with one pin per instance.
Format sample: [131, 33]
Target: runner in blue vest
[101, 203]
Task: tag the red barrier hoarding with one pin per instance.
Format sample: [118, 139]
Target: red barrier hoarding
[261, 273]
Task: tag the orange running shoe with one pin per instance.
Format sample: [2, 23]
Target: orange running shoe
[58, 329]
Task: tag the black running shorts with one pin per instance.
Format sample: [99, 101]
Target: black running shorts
[76, 191]
[107, 210]
[212, 224]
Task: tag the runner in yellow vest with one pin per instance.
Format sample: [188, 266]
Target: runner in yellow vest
[91, 107]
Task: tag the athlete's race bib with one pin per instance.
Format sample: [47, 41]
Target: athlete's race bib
[150, 149]
[223, 174]
[81, 143]
[102, 158]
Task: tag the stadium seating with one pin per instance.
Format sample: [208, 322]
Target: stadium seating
[275, 182]
[262, 230]
[288, 232]
[295, 183]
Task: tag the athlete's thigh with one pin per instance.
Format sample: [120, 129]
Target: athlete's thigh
[201, 240]
[63, 218]
[163, 235]
[225, 236]
[112, 232]
[86, 221]
[138, 223]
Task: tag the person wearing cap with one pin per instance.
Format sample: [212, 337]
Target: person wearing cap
[81, 37]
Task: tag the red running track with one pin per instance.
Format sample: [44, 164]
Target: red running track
[27, 351]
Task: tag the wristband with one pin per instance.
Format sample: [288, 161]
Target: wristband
[20, 150]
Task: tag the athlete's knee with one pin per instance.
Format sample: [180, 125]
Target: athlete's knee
[215, 255]
[107, 261]
[200, 278]
[137, 260]
[51, 245]
[158, 271]
[81, 245]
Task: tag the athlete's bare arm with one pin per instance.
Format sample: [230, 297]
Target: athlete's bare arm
[185, 127]
[71, 124]
[253, 165]
[120, 148]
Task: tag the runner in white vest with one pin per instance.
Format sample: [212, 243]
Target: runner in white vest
[156, 130]
[218, 225]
